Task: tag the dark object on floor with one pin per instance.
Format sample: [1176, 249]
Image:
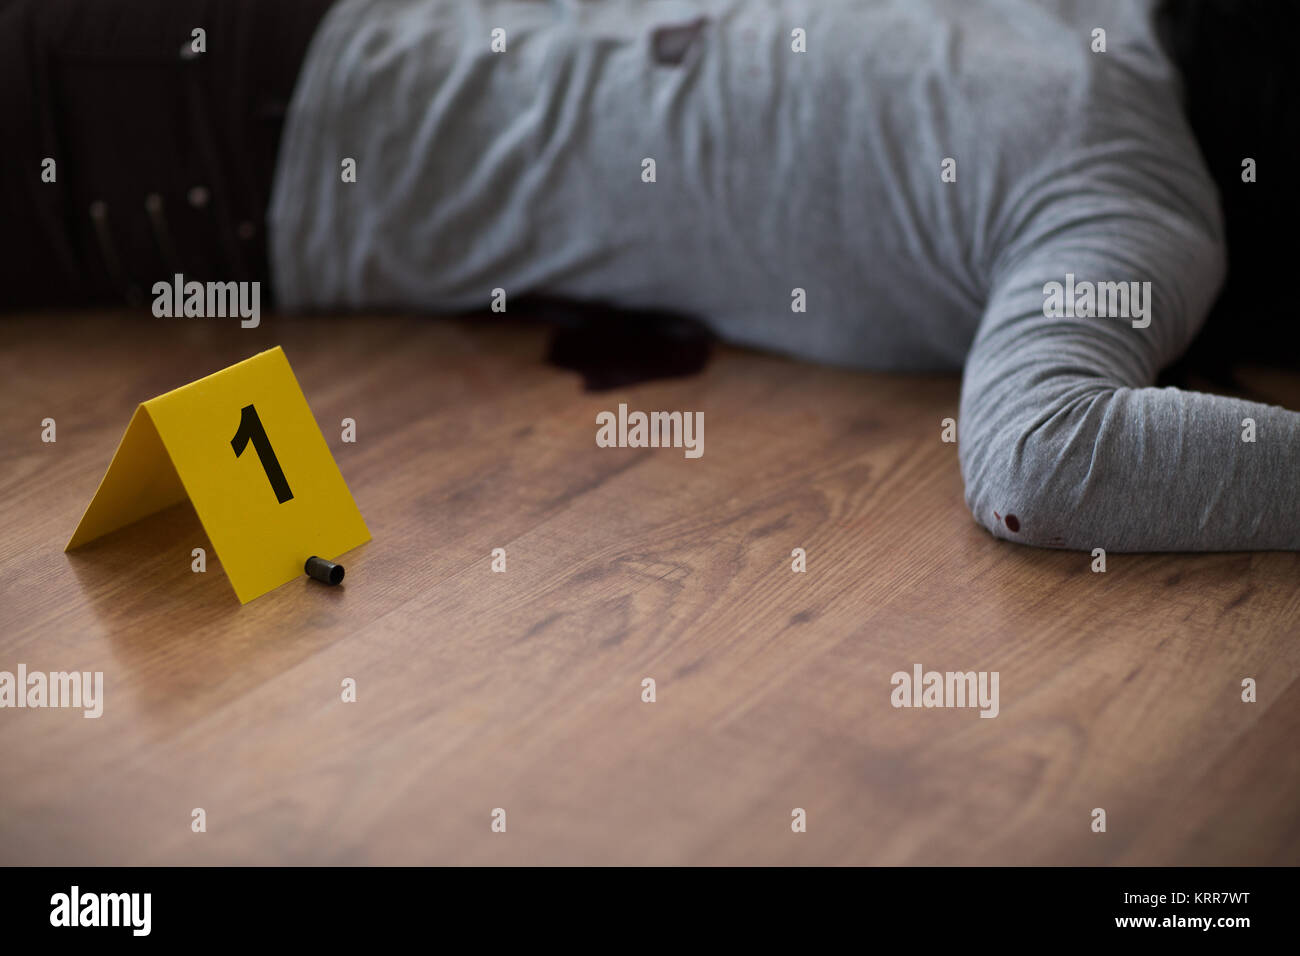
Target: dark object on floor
[325, 571]
[613, 348]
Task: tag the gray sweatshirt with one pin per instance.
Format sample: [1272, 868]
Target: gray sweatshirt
[887, 184]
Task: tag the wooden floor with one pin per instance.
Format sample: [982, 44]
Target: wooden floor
[478, 690]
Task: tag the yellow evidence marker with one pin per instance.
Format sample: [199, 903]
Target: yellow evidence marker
[243, 446]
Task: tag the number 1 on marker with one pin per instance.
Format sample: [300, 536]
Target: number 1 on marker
[250, 429]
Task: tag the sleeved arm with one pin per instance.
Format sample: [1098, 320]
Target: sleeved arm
[1065, 443]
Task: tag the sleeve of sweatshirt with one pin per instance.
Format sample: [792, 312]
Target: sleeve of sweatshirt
[1063, 440]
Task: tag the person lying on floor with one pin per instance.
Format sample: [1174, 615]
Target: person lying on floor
[1051, 196]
